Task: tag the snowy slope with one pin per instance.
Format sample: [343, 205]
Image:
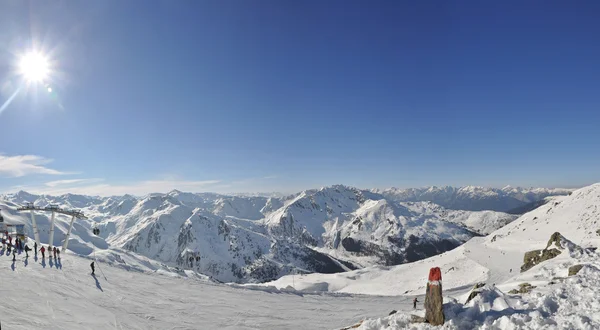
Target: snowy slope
[496, 260]
[46, 295]
[488, 258]
[63, 298]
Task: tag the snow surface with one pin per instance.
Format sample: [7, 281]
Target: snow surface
[132, 291]
[36, 295]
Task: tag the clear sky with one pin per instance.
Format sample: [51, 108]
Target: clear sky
[239, 96]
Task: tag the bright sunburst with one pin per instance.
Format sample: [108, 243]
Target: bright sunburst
[34, 67]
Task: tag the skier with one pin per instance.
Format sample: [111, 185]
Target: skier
[14, 255]
[415, 301]
[43, 249]
[92, 265]
[27, 251]
[54, 250]
[58, 253]
[35, 248]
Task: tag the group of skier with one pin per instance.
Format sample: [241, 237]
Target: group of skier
[19, 246]
[51, 250]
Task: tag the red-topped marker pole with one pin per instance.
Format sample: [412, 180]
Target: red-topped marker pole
[434, 303]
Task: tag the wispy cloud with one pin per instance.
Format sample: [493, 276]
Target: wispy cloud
[79, 186]
[72, 182]
[19, 166]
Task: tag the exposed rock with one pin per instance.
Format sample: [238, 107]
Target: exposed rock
[417, 319]
[535, 257]
[559, 241]
[475, 291]
[353, 326]
[523, 288]
[434, 311]
[573, 270]
[556, 244]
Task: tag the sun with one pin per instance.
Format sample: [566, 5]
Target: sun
[34, 67]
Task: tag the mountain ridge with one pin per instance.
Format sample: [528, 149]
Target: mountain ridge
[254, 239]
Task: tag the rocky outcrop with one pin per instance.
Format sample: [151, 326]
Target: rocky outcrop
[535, 257]
[475, 291]
[523, 288]
[573, 270]
[417, 319]
[556, 244]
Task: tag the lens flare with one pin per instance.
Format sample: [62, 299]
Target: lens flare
[34, 67]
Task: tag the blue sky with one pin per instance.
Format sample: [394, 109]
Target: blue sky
[238, 96]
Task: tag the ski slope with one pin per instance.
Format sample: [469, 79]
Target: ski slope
[36, 295]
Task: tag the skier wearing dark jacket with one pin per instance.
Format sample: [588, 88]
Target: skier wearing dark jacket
[415, 301]
[93, 270]
[43, 249]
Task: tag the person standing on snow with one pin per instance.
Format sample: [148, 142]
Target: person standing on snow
[43, 249]
[14, 255]
[93, 270]
[58, 253]
[54, 250]
[35, 248]
[27, 251]
[415, 301]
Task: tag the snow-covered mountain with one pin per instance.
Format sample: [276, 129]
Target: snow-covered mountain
[240, 239]
[554, 298]
[557, 300]
[473, 198]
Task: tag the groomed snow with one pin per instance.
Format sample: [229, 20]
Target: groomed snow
[34, 296]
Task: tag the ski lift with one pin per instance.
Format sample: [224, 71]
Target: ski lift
[2, 224]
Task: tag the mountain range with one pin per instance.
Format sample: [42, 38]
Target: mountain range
[474, 198]
[259, 238]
